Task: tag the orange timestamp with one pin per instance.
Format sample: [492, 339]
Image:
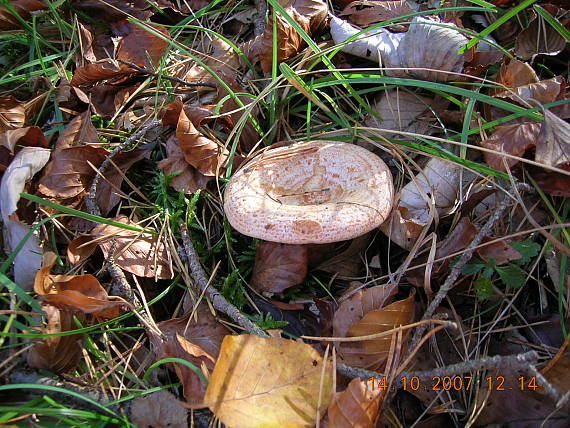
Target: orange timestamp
[455, 383]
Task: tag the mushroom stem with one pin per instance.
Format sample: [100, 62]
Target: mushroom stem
[218, 301]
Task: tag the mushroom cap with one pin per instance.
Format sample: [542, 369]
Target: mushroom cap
[311, 192]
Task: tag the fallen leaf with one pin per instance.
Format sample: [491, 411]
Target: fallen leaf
[405, 111]
[437, 182]
[357, 406]
[203, 330]
[347, 262]
[372, 354]
[141, 254]
[308, 14]
[69, 174]
[160, 409]
[553, 142]
[278, 266]
[539, 37]
[353, 309]
[139, 47]
[23, 8]
[544, 91]
[23, 167]
[428, 51]
[275, 382]
[378, 45]
[59, 354]
[71, 170]
[188, 179]
[31, 136]
[515, 73]
[75, 293]
[79, 131]
[202, 153]
[365, 13]
[115, 13]
[178, 347]
[513, 139]
[501, 252]
[12, 113]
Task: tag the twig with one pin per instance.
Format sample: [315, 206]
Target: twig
[165, 77]
[260, 17]
[121, 286]
[218, 301]
[91, 197]
[456, 271]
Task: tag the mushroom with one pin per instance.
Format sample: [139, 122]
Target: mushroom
[310, 192]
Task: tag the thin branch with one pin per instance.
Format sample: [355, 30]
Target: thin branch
[165, 77]
[260, 17]
[218, 301]
[91, 197]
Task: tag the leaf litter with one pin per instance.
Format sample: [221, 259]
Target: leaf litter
[155, 303]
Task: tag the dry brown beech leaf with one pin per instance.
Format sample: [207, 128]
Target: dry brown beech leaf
[544, 91]
[513, 139]
[79, 131]
[275, 382]
[553, 142]
[372, 354]
[348, 262]
[106, 100]
[516, 73]
[141, 254]
[115, 12]
[539, 38]
[205, 155]
[139, 47]
[69, 174]
[278, 266]
[353, 309]
[405, 111]
[427, 45]
[12, 113]
[157, 410]
[76, 293]
[309, 14]
[28, 136]
[189, 179]
[59, 354]
[197, 340]
[178, 347]
[357, 406]
[223, 61]
[365, 13]
[23, 8]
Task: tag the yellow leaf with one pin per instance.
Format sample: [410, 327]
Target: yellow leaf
[271, 382]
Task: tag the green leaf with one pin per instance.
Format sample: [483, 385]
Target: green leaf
[472, 268]
[512, 275]
[483, 288]
[527, 249]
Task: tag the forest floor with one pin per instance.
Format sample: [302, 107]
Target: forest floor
[285, 213]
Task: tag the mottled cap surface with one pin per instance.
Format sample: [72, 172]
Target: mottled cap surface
[311, 192]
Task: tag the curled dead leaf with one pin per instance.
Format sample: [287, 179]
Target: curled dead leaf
[373, 354]
[358, 405]
[57, 353]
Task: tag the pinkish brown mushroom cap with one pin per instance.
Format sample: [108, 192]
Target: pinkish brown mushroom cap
[308, 193]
